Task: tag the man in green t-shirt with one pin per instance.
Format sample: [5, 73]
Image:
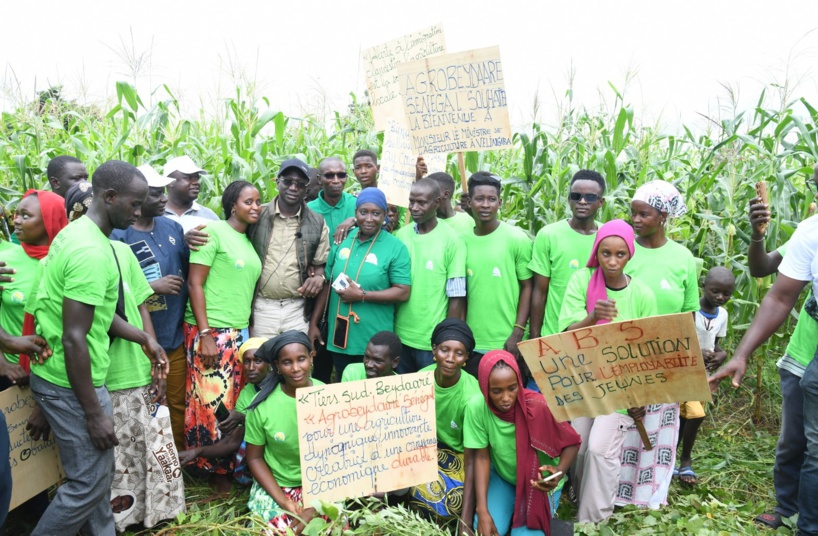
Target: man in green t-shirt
[498, 280]
[459, 221]
[74, 310]
[562, 247]
[438, 258]
[381, 358]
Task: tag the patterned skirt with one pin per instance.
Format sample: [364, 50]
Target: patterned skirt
[264, 506]
[442, 499]
[147, 486]
[645, 477]
[207, 388]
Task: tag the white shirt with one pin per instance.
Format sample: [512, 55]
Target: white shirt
[801, 261]
[193, 217]
[709, 330]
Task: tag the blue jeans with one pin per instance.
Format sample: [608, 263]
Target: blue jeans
[412, 359]
[5, 471]
[500, 499]
[83, 502]
[789, 452]
[808, 505]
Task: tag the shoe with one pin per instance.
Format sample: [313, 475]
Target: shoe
[687, 476]
[770, 520]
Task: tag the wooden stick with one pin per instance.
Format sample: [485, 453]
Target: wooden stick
[461, 165]
[643, 434]
[761, 191]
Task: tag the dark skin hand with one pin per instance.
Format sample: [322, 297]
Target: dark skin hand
[13, 372]
[33, 345]
[152, 349]
[208, 351]
[567, 457]
[637, 414]
[421, 169]
[6, 274]
[37, 425]
[342, 230]
[159, 385]
[169, 285]
[195, 238]
[233, 421]
[314, 283]
[760, 262]
[77, 320]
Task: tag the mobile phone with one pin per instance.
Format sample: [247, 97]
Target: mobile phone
[339, 338]
[222, 412]
[552, 477]
[341, 282]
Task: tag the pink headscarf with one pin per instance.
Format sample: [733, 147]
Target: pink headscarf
[596, 287]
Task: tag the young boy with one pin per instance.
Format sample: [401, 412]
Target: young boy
[711, 327]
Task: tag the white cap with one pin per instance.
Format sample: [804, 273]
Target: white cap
[183, 164]
[155, 180]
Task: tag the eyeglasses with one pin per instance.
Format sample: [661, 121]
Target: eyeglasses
[289, 183]
[589, 198]
[330, 176]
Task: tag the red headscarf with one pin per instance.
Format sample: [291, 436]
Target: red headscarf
[52, 208]
[596, 287]
[535, 429]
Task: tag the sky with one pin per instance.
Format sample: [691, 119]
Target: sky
[675, 62]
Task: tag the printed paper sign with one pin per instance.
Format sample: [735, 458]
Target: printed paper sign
[398, 161]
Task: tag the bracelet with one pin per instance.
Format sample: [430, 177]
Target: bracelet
[205, 331]
[757, 241]
[519, 326]
[363, 296]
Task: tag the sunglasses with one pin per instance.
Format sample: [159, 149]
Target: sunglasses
[289, 183]
[589, 198]
[330, 176]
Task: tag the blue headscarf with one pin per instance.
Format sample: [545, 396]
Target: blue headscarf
[372, 195]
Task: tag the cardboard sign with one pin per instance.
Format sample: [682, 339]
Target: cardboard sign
[598, 370]
[359, 438]
[35, 465]
[456, 102]
[380, 63]
[398, 161]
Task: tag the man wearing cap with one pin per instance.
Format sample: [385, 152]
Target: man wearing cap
[292, 242]
[183, 192]
[159, 244]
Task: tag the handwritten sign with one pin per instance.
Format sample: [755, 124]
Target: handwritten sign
[380, 66]
[398, 161]
[598, 370]
[456, 102]
[35, 465]
[359, 438]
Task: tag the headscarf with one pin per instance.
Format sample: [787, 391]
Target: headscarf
[52, 208]
[535, 429]
[268, 351]
[78, 200]
[662, 196]
[253, 343]
[453, 329]
[372, 195]
[596, 287]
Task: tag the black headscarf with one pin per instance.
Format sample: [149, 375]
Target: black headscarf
[78, 199]
[453, 329]
[269, 353]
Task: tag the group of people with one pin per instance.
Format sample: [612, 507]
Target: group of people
[160, 336]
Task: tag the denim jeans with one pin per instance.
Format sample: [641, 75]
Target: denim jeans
[807, 504]
[412, 359]
[83, 502]
[789, 452]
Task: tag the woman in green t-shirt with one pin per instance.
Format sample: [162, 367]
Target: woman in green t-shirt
[452, 343]
[377, 270]
[597, 294]
[223, 276]
[273, 453]
[254, 370]
[513, 433]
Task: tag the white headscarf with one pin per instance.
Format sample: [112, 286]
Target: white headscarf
[662, 196]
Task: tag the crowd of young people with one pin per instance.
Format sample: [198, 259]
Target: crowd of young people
[178, 339]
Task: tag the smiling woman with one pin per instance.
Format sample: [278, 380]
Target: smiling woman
[223, 275]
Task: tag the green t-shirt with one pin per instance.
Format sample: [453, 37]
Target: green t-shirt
[79, 266]
[15, 294]
[803, 339]
[634, 301]
[333, 216]
[495, 264]
[273, 424]
[670, 272]
[485, 429]
[246, 396]
[461, 222]
[354, 372]
[450, 407]
[558, 252]
[130, 367]
[436, 257]
[234, 271]
[386, 264]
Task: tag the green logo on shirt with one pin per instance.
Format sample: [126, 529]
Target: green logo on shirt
[17, 297]
[280, 437]
[239, 264]
[574, 264]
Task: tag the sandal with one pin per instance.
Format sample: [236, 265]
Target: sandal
[675, 472]
[687, 476]
[770, 520]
